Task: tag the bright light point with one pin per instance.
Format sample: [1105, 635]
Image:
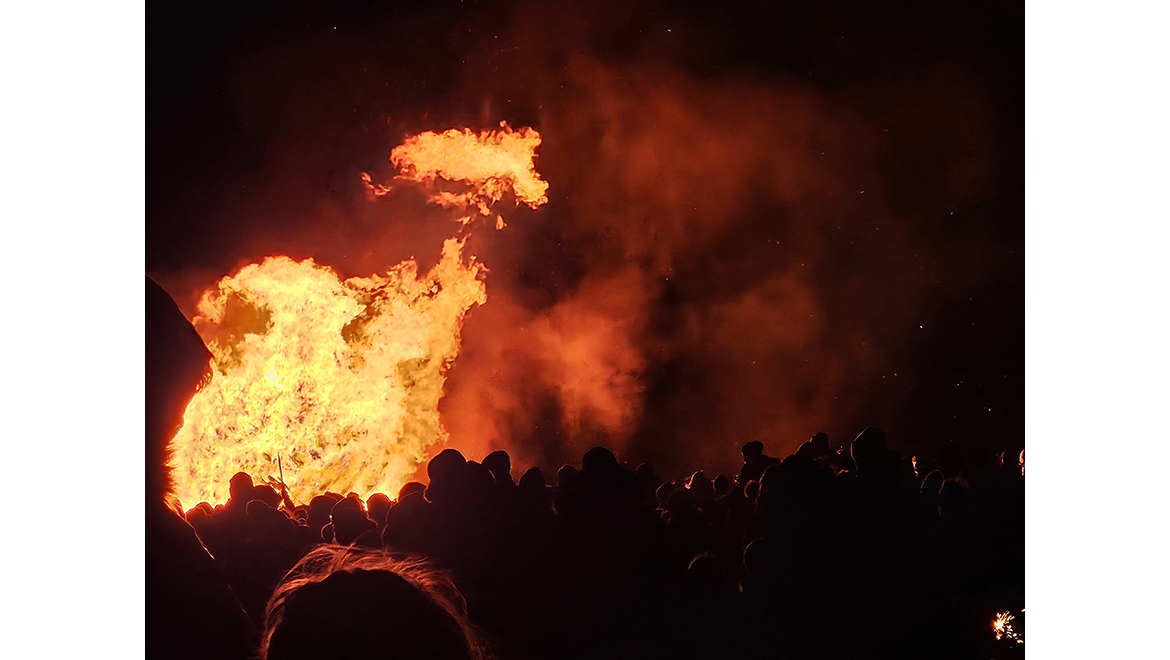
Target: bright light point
[272, 377]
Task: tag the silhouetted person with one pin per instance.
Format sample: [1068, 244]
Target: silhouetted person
[564, 474]
[240, 488]
[535, 496]
[754, 462]
[821, 441]
[702, 491]
[268, 495]
[953, 500]
[499, 463]
[406, 524]
[722, 485]
[350, 523]
[376, 508]
[186, 593]
[851, 555]
[870, 452]
[602, 489]
[931, 484]
[443, 471]
[533, 479]
[265, 549]
[346, 603]
[319, 510]
[411, 487]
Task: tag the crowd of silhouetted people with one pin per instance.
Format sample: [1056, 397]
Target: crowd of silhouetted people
[854, 553]
[822, 554]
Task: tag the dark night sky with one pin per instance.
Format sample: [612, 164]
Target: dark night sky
[260, 115]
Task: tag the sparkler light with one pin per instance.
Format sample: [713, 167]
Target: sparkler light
[1002, 625]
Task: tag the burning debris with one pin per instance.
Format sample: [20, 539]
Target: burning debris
[491, 163]
[1002, 625]
[343, 378]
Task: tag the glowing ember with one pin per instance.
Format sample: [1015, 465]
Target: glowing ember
[376, 188]
[1002, 625]
[342, 380]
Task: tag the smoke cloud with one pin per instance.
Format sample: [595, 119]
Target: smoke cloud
[725, 256]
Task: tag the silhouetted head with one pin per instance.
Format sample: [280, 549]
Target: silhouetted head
[444, 470]
[377, 506]
[260, 515]
[411, 487]
[1009, 463]
[240, 487]
[751, 490]
[808, 451]
[445, 463]
[532, 479]
[821, 440]
[662, 493]
[356, 604]
[774, 478]
[931, 484]
[404, 523]
[565, 474]
[697, 479]
[266, 494]
[752, 450]
[952, 499]
[534, 492]
[869, 449]
[177, 365]
[349, 523]
[347, 503]
[499, 463]
[702, 492]
[598, 458]
[197, 516]
[319, 508]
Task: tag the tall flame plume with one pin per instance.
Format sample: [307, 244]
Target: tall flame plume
[337, 380]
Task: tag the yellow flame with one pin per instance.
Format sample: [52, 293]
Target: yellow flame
[342, 380]
[376, 189]
[491, 162]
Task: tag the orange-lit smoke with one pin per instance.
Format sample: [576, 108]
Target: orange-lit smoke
[710, 229]
[335, 384]
[723, 257]
[581, 356]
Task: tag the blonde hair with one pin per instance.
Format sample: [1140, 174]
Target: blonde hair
[329, 560]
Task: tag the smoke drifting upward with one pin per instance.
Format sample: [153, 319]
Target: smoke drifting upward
[727, 254]
[730, 267]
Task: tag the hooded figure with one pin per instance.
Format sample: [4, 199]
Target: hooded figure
[190, 611]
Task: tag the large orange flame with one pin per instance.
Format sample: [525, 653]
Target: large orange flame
[336, 384]
[490, 162]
